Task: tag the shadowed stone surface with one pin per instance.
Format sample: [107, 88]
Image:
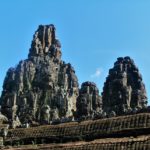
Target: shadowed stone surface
[41, 88]
[124, 90]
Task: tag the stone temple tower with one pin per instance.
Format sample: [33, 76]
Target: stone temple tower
[89, 101]
[42, 87]
[124, 90]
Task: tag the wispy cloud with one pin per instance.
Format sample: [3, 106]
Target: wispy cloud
[97, 73]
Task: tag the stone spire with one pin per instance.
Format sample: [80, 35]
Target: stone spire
[45, 42]
[124, 90]
[42, 86]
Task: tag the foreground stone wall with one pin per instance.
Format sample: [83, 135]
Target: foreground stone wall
[117, 144]
[88, 130]
[127, 143]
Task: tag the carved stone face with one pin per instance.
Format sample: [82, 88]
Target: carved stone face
[84, 101]
[46, 109]
[84, 105]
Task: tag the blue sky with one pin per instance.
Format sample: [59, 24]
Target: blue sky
[93, 33]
